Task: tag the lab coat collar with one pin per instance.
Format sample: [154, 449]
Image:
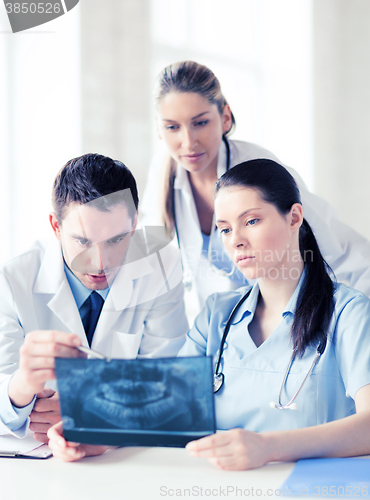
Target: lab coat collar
[222, 160]
[51, 273]
[52, 280]
[182, 180]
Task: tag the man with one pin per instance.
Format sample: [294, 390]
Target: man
[98, 284]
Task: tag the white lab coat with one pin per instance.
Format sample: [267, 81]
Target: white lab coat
[346, 251]
[143, 315]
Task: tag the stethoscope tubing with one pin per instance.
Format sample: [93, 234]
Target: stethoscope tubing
[226, 331]
[219, 378]
[289, 405]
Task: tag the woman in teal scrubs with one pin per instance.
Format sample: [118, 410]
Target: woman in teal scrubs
[294, 320]
[293, 312]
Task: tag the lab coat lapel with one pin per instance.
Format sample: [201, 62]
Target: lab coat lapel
[64, 307]
[190, 234]
[121, 296]
[51, 280]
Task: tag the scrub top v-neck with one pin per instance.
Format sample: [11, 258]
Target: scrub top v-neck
[253, 375]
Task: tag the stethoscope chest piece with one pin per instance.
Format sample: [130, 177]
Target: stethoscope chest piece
[218, 382]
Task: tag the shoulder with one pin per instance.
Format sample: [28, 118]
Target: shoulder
[22, 272]
[24, 263]
[344, 294]
[244, 151]
[351, 304]
[224, 302]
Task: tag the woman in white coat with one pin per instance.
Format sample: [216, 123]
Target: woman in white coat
[194, 121]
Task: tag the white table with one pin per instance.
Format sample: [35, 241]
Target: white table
[135, 474]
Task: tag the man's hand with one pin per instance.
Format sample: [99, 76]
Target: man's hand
[45, 413]
[37, 361]
[70, 452]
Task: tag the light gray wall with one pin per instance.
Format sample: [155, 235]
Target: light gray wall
[341, 31]
[117, 80]
[115, 85]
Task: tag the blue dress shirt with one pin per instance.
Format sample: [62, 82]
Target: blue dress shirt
[81, 293]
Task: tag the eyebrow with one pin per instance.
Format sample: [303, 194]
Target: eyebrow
[79, 237]
[193, 118]
[241, 215]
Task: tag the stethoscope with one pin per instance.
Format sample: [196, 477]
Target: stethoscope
[187, 279]
[219, 377]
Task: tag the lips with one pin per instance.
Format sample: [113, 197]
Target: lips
[193, 157]
[98, 278]
[240, 258]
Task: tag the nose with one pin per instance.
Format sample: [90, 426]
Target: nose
[188, 138]
[238, 238]
[99, 259]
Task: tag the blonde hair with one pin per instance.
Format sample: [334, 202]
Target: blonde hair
[184, 76]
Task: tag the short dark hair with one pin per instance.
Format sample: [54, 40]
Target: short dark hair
[91, 177]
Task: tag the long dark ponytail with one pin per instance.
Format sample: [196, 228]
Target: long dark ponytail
[315, 303]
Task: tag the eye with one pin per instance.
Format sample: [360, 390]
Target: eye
[115, 240]
[201, 123]
[172, 128]
[224, 231]
[252, 222]
[82, 241]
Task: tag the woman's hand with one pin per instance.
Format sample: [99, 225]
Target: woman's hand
[236, 449]
[67, 451]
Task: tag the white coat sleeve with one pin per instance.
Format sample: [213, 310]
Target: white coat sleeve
[11, 339]
[346, 251]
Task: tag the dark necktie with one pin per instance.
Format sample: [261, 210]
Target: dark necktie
[96, 302]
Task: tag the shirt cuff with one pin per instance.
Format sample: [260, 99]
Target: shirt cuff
[15, 420]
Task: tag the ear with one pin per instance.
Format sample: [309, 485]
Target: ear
[296, 216]
[226, 119]
[134, 222]
[55, 225]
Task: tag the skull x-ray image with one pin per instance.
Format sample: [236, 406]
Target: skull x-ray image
[165, 401]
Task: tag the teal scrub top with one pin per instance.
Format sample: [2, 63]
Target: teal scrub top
[254, 375]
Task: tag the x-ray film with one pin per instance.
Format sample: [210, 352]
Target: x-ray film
[136, 402]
